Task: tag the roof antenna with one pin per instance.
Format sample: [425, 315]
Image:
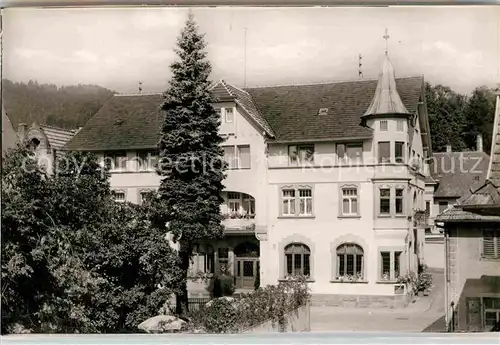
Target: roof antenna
[386, 37]
[360, 71]
[140, 86]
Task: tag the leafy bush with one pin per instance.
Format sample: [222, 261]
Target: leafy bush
[223, 286]
[273, 302]
[256, 284]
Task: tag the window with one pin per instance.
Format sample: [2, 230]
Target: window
[350, 152]
[385, 201]
[248, 205]
[384, 152]
[297, 259]
[244, 157]
[350, 261]
[300, 154]
[350, 201]
[296, 202]
[119, 195]
[491, 244]
[383, 125]
[323, 111]
[399, 151]
[491, 312]
[443, 205]
[233, 202]
[428, 207]
[305, 202]
[115, 160]
[143, 195]
[146, 160]
[390, 265]
[400, 126]
[229, 115]
[203, 260]
[399, 200]
[230, 157]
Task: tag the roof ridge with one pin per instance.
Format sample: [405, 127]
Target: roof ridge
[326, 82]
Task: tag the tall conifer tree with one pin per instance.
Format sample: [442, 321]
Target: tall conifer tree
[191, 158]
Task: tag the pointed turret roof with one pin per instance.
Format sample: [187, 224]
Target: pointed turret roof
[386, 99]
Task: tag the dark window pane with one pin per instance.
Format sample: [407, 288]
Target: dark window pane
[341, 259]
[350, 264]
[289, 263]
[307, 267]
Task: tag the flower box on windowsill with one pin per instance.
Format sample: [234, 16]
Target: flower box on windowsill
[351, 279]
[291, 278]
[239, 222]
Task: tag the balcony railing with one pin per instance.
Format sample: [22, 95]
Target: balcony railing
[239, 222]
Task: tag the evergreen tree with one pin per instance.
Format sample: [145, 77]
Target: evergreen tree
[191, 158]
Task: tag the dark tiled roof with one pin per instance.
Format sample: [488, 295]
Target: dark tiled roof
[288, 113]
[459, 215]
[124, 122]
[487, 194]
[458, 172]
[292, 111]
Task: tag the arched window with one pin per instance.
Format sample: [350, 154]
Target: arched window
[297, 259]
[350, 260]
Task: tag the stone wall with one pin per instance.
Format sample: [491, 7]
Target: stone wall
[361, 301]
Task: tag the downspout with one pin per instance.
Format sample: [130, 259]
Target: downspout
[446, 280]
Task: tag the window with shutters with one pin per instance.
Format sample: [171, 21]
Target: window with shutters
[491, 244]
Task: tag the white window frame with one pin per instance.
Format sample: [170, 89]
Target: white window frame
[296, 158]
[380, 214]
[236, 164]
[234, 202]
[485, 309]
[296, 201]
[228, 110]
[400, 127]
[238, 157]
[150, 156]
[384, 160]
[119, 191]
[349, 198]
[402, 198]
[384, 125]
[112, 157]
[400, 159]
[392, 275]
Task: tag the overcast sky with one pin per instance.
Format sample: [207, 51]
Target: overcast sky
[115, 48]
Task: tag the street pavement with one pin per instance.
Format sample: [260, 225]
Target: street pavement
[425, 314]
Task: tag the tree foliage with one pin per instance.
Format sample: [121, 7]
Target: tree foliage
[457, 119]
[73, 260]
[66, 106]
[190, 164]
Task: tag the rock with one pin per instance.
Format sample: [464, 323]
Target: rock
[161, 324]
[231, 300]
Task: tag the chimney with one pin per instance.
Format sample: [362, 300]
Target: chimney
[479, 143]
[448, 148]
[21, 131]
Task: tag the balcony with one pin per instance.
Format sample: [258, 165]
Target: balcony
[239, 213]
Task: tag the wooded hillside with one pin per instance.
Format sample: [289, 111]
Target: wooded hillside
[67, 106]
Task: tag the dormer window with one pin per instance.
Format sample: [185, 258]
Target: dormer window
[323, 111]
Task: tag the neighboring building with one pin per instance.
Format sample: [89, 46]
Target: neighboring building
[453, 175]
[46, 141]
[472, 247]
[325, 180]
[9, 136]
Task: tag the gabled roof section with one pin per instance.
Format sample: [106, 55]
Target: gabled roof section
[494, 168]
[458, 173]
[124, 122]
[386, 99]
[292, 110]
[57, 137]
[225, 92]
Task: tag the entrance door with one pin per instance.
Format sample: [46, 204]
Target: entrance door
[246, 271]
